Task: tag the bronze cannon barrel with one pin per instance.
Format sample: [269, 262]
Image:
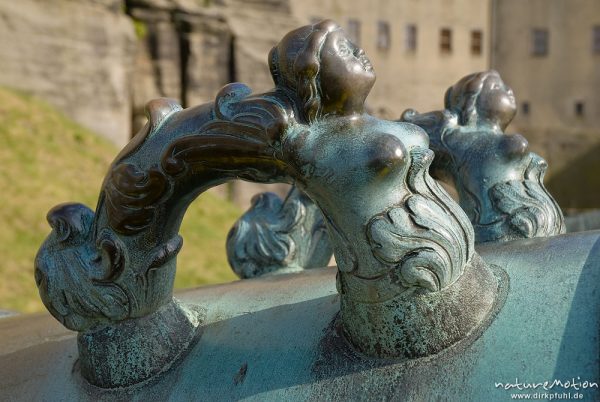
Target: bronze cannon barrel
[275, 338]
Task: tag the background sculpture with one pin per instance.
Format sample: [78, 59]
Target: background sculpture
[278, 236]
[498, 179]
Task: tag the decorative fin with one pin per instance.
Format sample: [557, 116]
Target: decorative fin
[158, 110]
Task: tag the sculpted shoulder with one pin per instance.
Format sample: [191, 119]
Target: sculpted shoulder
[410, 134]
[359, 146]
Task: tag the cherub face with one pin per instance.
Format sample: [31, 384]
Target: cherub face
[346, 75]
[496, 101]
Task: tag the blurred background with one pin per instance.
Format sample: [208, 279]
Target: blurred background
[75, 76]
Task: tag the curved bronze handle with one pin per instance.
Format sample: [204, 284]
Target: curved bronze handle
[128, 246]
[103, 269]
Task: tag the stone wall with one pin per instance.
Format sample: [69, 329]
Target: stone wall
[77, 55]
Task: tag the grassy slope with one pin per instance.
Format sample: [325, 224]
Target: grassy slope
[46, 159]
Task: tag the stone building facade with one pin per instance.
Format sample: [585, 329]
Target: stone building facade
[549, 52]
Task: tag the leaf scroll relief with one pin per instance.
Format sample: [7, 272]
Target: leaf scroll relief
[529, 209]
[278, 236]
[242, 141]
[427, 240]
[78, 283]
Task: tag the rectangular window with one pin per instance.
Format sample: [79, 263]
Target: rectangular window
[411, 38]
[539, 38]
[445, 40]
[476, 42]
[354, 31]
[579, 109]
[383, 35]
[596, 39]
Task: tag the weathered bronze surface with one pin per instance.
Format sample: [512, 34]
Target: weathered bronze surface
[499, 181]
[414, 296]
[279, 237]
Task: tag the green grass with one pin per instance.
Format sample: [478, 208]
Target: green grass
[47, 159]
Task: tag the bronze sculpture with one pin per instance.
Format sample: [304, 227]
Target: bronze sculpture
[264, 240]
[313, 130]
[417, 308]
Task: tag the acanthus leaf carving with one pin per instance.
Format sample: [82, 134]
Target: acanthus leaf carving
[85, 293]
[525, 203]
[266, 237]
[426, 242]
[242, 141]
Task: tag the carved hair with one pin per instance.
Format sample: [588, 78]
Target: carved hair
[295, 63]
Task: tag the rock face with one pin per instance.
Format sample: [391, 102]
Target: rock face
[254, 39]
[188, 50]
[157, 68]
[207, 47]
[76, 55]
[180, 54]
